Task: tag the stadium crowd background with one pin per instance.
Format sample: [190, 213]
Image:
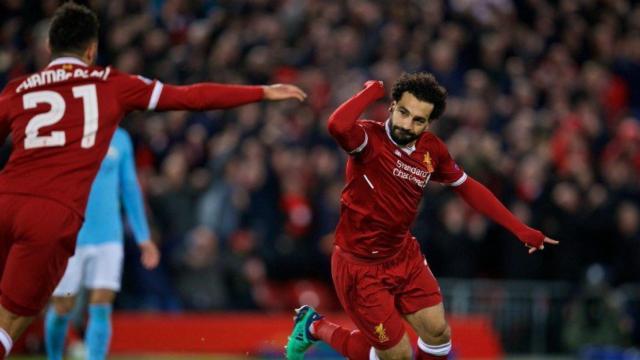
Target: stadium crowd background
[543, 108]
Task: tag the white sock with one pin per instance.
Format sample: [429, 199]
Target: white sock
[6, 341]
[437, 350]
[373, 355]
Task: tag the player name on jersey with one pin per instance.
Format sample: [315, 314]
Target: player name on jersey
[47, 77]
[407, 172]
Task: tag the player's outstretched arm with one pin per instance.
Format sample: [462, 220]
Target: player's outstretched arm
[209, 96]
[343, 122]
[481, 199]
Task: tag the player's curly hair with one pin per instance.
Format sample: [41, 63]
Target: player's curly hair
[423, 86]
[73, 27]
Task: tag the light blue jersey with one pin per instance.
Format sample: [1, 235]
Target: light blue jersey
[116, 180]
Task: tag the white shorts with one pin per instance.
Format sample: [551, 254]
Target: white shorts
[94, 267]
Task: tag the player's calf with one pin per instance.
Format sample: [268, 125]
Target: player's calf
[436, 344]
[11, 327]
[434, 340]
[56, 324]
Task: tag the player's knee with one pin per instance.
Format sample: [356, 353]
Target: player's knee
[63, 305]
[440, 332]
[102, 297]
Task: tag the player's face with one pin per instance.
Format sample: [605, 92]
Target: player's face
[409, 118]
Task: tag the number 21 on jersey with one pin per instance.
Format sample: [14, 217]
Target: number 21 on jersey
[89, 98]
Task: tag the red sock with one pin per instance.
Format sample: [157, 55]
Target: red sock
[351, 344]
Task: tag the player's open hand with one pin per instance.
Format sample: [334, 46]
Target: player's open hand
[150, 255]
[277, 92]
[546, 240]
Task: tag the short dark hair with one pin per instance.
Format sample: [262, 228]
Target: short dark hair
[424, 87]
[73, 27]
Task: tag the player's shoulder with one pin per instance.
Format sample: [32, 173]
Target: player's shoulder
[431, 142]
[12, 85]
[120, 75]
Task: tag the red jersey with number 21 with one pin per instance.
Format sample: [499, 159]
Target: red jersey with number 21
[385, 183]
[61, 120]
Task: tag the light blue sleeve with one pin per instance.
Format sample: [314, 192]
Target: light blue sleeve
[131, 193]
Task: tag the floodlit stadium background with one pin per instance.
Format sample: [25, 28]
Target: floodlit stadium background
[544, 107]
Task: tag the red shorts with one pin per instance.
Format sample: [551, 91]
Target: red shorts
[37, 237]
[375, 295]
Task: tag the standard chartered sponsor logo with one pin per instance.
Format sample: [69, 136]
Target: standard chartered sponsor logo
[411, 169]
[411, 173]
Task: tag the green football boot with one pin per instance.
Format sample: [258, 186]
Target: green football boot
[301, 339]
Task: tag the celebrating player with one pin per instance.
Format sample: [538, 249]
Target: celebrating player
[61, 120]
[97, 263]
[379, 272]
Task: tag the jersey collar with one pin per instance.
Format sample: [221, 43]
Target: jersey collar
[67, 60]
[407, 149]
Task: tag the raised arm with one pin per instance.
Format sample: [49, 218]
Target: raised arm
[482, 200]
[343, 122]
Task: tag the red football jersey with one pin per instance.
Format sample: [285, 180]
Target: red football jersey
[385, 183]
[61, 121]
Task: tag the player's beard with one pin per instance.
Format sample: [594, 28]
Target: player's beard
[401, 136]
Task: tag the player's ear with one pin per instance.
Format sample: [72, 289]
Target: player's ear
[91, 54]
[47, 46]
[392, 106]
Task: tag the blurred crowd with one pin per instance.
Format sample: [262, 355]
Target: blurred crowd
[544, 109]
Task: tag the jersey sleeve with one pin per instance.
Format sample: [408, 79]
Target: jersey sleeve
[343, 124]
[136, 92]
[447, 171]
[131, 194]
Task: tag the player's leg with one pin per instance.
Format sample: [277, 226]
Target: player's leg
[56, 322]
[310, 327]
[16, 315]
[98, 334]
[434, 340]
[368, 304]
[355, 345]
[420, 301]
[45, 234]
[104, 276]
[11, 327]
